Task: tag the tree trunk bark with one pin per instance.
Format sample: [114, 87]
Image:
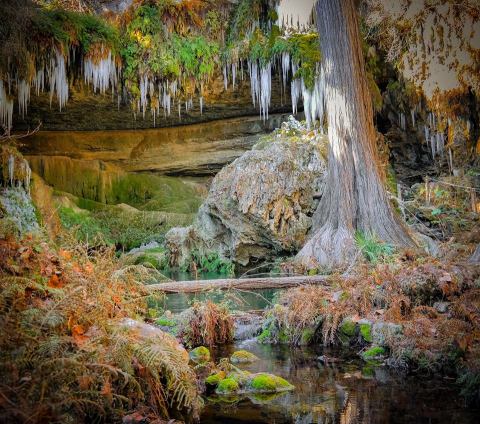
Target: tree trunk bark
[355, 197]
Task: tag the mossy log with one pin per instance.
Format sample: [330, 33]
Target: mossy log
[242, 283]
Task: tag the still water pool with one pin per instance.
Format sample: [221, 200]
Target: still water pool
[238, 300]
[344, 392]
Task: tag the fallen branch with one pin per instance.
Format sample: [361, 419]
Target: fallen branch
[234, 283]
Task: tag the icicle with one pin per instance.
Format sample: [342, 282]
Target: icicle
[57, 77]
[143, 94]
[201, 105]
[6, 108]
[225, 77]
[23, 92]
[412, 114]
[285, 69]
[427, 134]
[307, 105]
[265, 90]
[179, 111]
[39, 81]
[296, 89]
[433, 144]
[234, 74]
[254, 81]
[102, 73]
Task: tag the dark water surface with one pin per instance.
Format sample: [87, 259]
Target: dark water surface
[237, 299]
[345, 392]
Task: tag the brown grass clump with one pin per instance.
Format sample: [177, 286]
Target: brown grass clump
[68, 352]
[206, 323]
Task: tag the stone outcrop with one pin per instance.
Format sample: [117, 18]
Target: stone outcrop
[193, 150]
[260, 206]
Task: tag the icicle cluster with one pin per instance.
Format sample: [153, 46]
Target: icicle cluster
[57, 77]
[434, 137]
[6, 108]
[23, 92]
[261, 86]
[102, 74]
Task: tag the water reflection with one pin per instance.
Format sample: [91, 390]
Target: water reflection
[237, 300]
[344, 392]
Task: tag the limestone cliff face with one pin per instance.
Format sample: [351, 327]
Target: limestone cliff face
[139, 168]
[258, 207]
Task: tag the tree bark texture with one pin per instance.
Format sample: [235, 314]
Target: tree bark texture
[355, 197]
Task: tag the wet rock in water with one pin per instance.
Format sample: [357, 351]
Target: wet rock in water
[243, 357]
[243, 382]
[247, 326]
[200, 355]
[375, 353]
[268, 383]
[260, 206]
[227, 386]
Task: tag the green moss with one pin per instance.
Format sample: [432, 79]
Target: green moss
[200, 355]
[243, 357]
[227, 386]
[366, 331]
[165, 322]
[348, 328]
[264, 336]
[269, 383]
[215, 379]
[374, 353]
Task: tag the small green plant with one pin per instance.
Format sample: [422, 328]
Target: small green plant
[373, 249]
[212, 262]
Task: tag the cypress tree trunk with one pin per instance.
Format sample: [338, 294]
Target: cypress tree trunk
[355, 198]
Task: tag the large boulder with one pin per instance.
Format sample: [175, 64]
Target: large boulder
[259, 206]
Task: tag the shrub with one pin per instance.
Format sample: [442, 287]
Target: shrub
[206, 324]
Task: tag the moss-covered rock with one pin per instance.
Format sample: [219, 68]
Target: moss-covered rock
[200, 355]
[348, 328]
[214, 379]
[366, 330]
[268, 383]
[227, 386]
[243, 357]
[374, 353]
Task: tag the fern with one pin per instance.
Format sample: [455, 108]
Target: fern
[373, 249]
